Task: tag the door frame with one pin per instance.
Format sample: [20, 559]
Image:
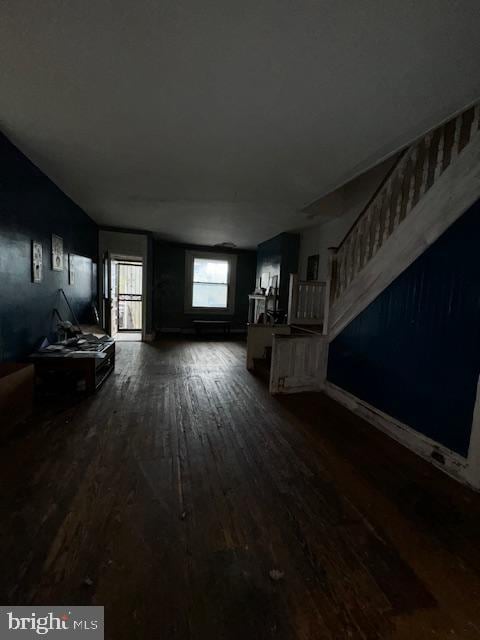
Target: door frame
[131, 262]
[107, 287]
[123, 257]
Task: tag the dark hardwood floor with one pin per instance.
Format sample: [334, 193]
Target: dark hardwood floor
[171, 496]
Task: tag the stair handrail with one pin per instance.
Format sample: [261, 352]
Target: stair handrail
[413, 173]
[383, 182]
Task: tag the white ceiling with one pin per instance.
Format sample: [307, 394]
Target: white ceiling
[220, 120]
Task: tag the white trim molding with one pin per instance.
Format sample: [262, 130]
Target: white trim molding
[466, 470]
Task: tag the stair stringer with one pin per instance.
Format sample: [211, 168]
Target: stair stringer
[455, 190]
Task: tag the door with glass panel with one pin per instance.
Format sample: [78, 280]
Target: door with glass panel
[129, 296]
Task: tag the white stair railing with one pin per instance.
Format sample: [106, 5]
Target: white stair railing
[415, 172]
[306, 301]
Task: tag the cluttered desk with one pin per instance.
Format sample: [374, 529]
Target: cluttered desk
[83, 352]
[92, 358]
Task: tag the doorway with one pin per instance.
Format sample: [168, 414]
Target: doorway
[126, 295]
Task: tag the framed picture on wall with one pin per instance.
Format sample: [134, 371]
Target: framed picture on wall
[71, 268]
[37, 261]
[57, 253]
[312, 267]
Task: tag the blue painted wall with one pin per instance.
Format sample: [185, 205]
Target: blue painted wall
[414, 353]
[32, 208]
[279, 257]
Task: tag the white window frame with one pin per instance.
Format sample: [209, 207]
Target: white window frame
[232, 277]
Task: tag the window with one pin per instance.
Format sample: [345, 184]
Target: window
[210, 282]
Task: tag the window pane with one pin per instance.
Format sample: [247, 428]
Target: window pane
[210, 295]
[129, 314]
[130, 278]
[206, 270]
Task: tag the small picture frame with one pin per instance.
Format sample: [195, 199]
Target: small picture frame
[71, 269]
[37, 261]
[57, 253]
[312, 267]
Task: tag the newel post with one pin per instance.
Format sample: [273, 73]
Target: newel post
[330, 288]
[292, 298]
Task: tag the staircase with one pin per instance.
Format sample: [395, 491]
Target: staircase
[431, 185]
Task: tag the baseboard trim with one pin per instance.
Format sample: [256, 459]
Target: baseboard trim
[441, 457]
[188, 331]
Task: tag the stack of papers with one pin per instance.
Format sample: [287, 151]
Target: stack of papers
[84, 346]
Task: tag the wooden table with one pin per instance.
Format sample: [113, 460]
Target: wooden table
[213, 324]
[93, 370]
